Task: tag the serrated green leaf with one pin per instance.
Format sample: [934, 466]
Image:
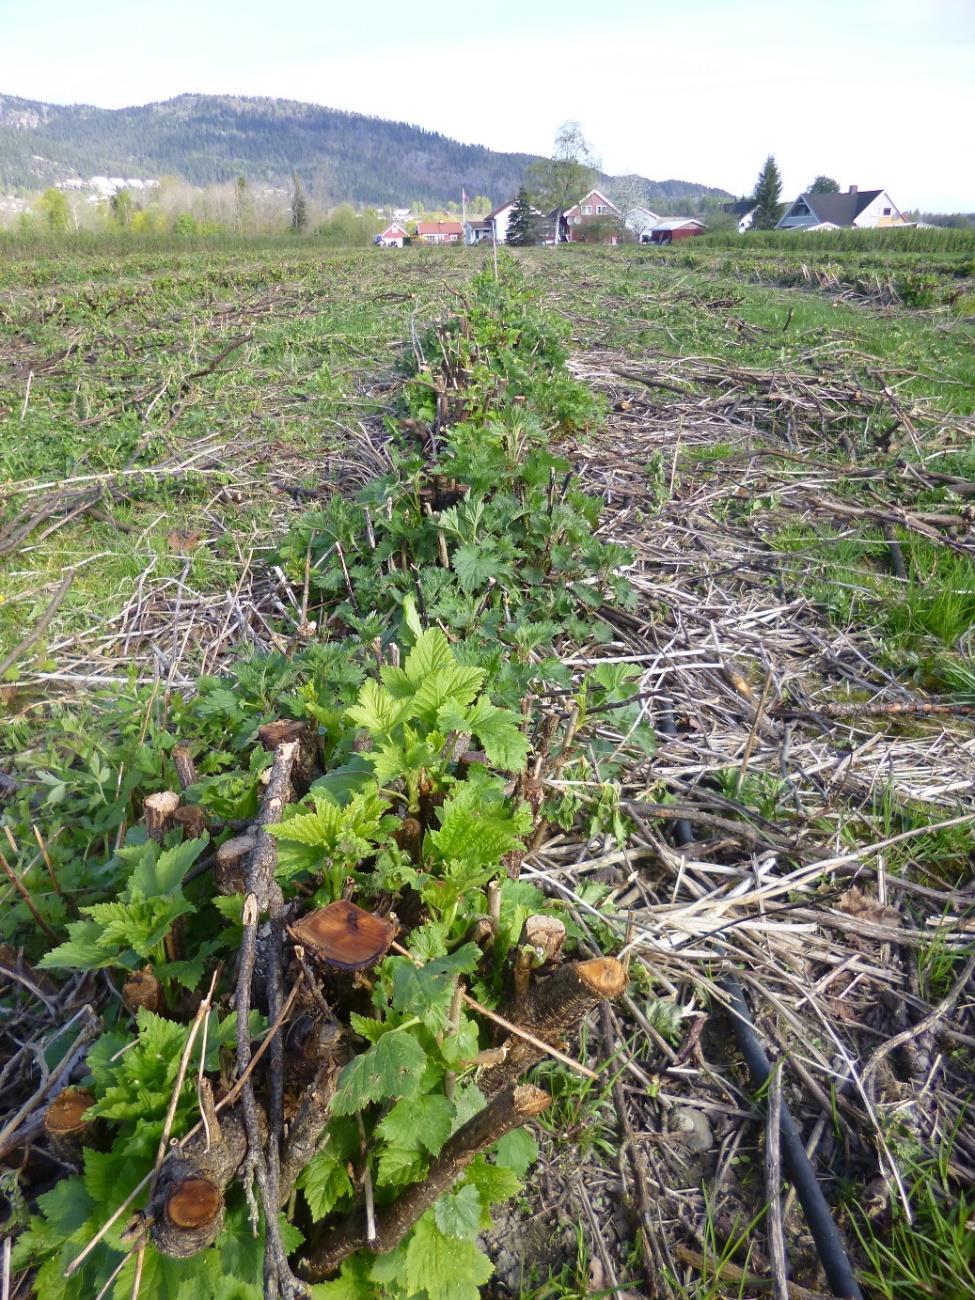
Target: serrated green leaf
[368, 1028]
[467, 1102]
[516, 1151]
[458, 1214]
[410, 617]
[445, 1267]
[500, 735]
[391, 1068]
[476, 828]
[426, 991]
[389, 1268]
[140, 925]
[351, 1284]
[455, 683]
[493, 1182]
[319, 828]
[431, 653]
[376, 710]
[474, 565]
[164, 874]
[418, 1123]
[399, 1166]
[324, 1181]
[83, 950]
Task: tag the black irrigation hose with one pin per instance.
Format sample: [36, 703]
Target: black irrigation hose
[825, 1234]
[897, 565]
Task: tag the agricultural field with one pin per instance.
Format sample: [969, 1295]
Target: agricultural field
[487, 773]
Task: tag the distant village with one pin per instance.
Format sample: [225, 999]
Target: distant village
[595, 218]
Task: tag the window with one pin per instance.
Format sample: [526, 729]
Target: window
[886, 212]
[587, 210]
[799, 210]
[600, 209]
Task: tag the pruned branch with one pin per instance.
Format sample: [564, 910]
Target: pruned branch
[186, 1212]
[508, 1110]
[550, 1009]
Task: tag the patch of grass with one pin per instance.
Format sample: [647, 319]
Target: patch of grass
[932, 1253]
[582, 1114]
[921, 626]
[109, 367]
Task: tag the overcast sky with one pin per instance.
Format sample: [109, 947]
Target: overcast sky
[873, 92]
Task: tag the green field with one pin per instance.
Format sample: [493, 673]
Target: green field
[541, 569]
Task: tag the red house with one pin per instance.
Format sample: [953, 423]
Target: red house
[591, 208]
[439, 232]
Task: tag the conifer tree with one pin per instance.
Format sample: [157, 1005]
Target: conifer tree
[523, 222]
[299, 208]
[768, 196]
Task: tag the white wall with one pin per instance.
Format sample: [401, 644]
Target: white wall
[501, 223]
[874, 214]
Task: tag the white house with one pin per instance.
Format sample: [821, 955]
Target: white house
[497, 221]
[743, 212]
[857, 209]
[639, 219]
[394, 236]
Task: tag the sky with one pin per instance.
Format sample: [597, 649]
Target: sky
[877, 93]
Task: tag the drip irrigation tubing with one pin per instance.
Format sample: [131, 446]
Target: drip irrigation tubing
[825, 1234]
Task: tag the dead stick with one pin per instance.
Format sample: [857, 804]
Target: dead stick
[23, 891]
[42, 625]
[725, 1271]
[773, 1184]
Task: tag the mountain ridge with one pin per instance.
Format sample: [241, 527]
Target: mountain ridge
[208, 139]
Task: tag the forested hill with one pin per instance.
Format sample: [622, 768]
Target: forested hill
[213, 138]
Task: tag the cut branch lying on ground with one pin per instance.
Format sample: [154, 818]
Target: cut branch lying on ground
[506, 1111]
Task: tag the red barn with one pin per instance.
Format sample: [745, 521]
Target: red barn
[671, 229]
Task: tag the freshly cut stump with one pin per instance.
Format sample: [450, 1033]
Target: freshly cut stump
[344, 936]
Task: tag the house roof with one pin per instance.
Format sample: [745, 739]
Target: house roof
[839, 209]
[597, 194]
[477, 223]
[508, 203]
[739, 209]
[675, 223]
[439, 228]
[394, 228]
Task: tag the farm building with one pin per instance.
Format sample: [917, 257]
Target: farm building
[592, 208]
[393, 236]
[439, 232]
[743, 212]
[476, 230]
[639, 219]
[855, 209]
[671, 229]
